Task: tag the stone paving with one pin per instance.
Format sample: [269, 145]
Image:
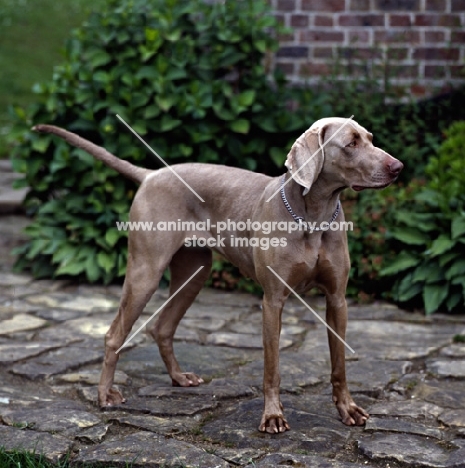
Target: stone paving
[407, 372]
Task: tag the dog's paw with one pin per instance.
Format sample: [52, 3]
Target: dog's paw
[110, 397]
[351, 414]
[273, 424]
[186, 379]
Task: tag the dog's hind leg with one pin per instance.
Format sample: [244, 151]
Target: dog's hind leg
[141, 281]
[183, 264]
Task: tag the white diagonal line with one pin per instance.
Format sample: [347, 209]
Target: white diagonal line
[309, 308]
[155, 313]
[161, 159]
[311, 157]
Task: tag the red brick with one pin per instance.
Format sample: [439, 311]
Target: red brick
[323, 20]
[437, 20]
[458, 37]
[299, 21]
[359, 36]
[358, 53]
[418, 90]
[286, 37]
[293, 52]
[439, 53]
[323, 52]
[281, 19]
[321, 36]
[435, 5]
[361, 20]
[435, 36]
[314, 69]
[392, 5]
[323, 5]
[286, 5]
[286, 67]
[457, 71]
[458, 5]
[359, 5]
[397, 54]
[403, 71]
[406, 35]
[399, 20]
[435, 72]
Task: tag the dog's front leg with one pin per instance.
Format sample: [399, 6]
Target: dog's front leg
[336, 316]
[273, 420]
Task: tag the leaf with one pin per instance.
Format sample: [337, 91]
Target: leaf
[433, 296]
[41, 144]
[106, 260]
[453, 301]
[168, 123]
[166, 102]
[422, 221]
[446, 258]
[457, 268]
[73, 268]
[407, 290]
[240, 126]
[151, 35]
[99, 58]
[92, 269]
[246, 98]
[425, 272]
[112, 236]
[440, 245]
[403, 261]
[411, 236]
[278, 156]
[458, 227]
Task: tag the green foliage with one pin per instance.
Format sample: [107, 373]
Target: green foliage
[24, 459]
[428, 233]
[189, 77]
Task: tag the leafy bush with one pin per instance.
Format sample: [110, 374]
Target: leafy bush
[428, 233]
[189, 77]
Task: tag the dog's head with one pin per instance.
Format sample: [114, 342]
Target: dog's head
[344, 150]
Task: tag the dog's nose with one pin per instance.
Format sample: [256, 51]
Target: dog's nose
[395, 167]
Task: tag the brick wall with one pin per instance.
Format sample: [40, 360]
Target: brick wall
[420, 43]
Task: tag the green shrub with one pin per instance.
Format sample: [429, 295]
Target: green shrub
[428, 233]
[189, 77]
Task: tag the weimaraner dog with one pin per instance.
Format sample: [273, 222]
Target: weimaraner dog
[331, 155]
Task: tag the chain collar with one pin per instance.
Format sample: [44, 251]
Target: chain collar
[298, 219]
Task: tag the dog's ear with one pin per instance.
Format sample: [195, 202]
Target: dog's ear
[305, 160]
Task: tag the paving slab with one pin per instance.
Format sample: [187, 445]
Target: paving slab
[401, 426]
[160, 425]
[311, 432]
[411, 450]
[20, 323]
[448, 395]
[12, 352]
[446, 368]
[146, 449]
[52, 447]
[314, 461]
[57, 362]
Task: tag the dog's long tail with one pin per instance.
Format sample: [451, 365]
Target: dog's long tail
[136, 174]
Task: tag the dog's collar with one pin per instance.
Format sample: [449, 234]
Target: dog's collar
[298, 219]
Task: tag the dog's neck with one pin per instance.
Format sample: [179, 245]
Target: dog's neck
[320, 202]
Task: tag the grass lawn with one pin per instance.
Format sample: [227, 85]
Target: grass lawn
[32, 34]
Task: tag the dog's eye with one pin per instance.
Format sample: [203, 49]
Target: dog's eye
[352, 144]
